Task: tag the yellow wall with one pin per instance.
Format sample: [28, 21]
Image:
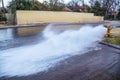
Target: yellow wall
[28, 17]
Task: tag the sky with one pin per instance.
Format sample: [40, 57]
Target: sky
[66, 1]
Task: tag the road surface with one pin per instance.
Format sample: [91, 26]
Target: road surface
[103, 64]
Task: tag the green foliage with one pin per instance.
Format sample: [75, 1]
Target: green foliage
[56, 8]
[76, 10]
[38, 6]
[2, 18]
[2, 13]
[3, 10]
[20, 5]
[55, 5]
[87, 7]
[118, 15]
[97, 9]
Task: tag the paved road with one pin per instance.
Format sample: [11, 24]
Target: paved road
[103, 64]
[113, 23]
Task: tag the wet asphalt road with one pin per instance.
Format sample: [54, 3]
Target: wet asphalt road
[21, 41]
[103, 64]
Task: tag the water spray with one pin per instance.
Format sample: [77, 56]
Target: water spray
[56, 47]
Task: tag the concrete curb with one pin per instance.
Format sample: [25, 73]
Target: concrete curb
[110, 45]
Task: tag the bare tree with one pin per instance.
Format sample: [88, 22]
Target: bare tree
[75, 2]
[3, 8]
[109, 5]
[56, 4]
[92, 2]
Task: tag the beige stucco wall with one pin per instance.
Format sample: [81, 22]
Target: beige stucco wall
[28, 17]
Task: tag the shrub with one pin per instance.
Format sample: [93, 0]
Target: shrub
[2, 18]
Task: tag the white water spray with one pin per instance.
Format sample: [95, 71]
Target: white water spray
[29, 60]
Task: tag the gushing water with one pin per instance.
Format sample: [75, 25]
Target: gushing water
[29, 60]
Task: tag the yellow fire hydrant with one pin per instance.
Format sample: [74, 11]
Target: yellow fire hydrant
[108, 30]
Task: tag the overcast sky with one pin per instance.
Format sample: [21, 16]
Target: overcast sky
[66, 1]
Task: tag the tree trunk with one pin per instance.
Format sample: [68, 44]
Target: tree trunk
[3, 10]
[106, 14]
